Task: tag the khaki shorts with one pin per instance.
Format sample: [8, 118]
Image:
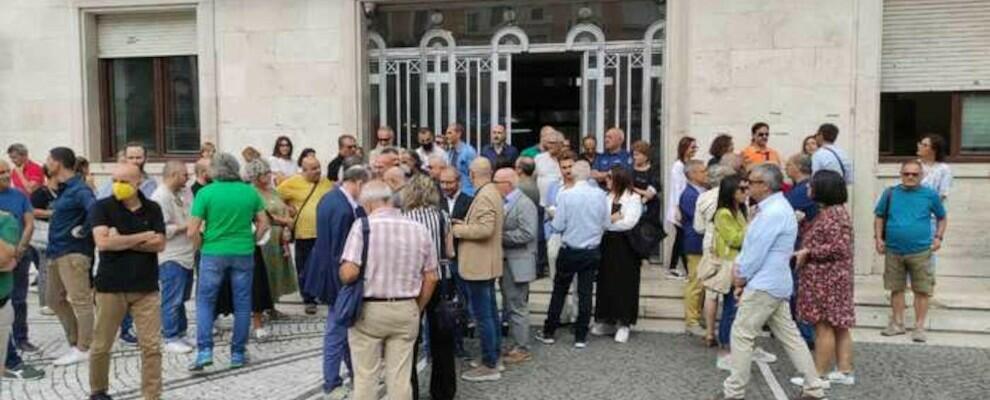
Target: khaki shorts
[898, 267]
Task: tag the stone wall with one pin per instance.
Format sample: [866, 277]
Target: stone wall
[283, 67]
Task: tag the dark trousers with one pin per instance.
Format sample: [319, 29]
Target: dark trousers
[571, 262]
[677, 254]
[18, 299]
[443, 369]
[303, 248]
[13, 360]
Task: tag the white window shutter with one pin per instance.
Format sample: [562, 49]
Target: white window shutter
[146, 34]
[935, 45]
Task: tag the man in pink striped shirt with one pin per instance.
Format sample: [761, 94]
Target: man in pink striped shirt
[400, 275]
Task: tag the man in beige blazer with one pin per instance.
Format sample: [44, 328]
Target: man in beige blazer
[479, 257]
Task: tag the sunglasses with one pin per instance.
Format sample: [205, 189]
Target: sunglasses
[762, 135]
[910, 174]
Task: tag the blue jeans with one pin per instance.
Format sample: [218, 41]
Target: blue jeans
[729, 308]
[211, 271]
[335, 351]
[18, 298]
[482, 295]
[176, 282]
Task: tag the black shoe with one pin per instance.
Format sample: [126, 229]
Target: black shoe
[27, 347]
[100, 396]
[311, 309]
[128, 339]
[545, 338]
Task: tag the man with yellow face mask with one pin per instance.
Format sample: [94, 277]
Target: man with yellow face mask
[129, 231]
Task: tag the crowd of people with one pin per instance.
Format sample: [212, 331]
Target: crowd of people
[428, 235]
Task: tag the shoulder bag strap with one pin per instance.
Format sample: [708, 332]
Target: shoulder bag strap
[299, 211]
[839, 160]
[366, 232]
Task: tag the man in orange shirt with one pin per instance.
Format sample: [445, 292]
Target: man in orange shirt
[758, 152]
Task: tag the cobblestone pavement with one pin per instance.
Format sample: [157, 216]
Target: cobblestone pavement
[650, 366]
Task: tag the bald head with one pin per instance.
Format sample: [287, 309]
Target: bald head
[505, 180]
[395, 177]
[128, 174]
[175, 175]
[311, 169]
[481, 171]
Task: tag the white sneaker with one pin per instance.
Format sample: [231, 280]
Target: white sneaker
[799, 381]
[47, 311]
[764, 356]
[724, 362]
[580, 345]
[261, 334]
[622, 335]
[603, 329]
[341, 392]
[73, 356]
[177, 347]
[841, 378]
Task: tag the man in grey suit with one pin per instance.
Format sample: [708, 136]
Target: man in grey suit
[519, 234]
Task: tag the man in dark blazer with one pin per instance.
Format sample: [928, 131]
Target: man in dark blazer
[456, 203]
[335, 214]
[346, 147]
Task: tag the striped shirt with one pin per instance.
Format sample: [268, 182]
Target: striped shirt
[400, 253]
[436, 222]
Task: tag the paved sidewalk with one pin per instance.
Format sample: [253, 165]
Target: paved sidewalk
[651, 366]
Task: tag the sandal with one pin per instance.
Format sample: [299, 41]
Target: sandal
[710, 341]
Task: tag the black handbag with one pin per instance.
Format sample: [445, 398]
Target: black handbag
[449, 308]
[645, 237]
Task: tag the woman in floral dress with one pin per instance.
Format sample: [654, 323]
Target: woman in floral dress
[825, 262]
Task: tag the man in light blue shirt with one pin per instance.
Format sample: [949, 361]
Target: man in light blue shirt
[460, 155]
[763, 272]
[829, 156]
[581, 217]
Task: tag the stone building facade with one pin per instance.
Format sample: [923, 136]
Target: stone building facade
[316, 69]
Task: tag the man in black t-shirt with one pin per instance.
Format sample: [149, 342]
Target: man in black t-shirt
[129, 231]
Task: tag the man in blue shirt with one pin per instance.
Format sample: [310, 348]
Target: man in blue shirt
[830, 156]
[498, 152]
[17, 204]
[902, 229]
[762, 270]
[70, 249]
[613, 155]
[581, 217]
[694, 294]
[460, 155]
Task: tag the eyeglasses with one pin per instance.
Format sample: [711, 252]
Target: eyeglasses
[910, 174]
[763, 135]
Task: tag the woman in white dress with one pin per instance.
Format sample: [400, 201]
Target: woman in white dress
[281, 162]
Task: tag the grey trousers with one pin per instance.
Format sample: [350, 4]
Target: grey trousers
[515, 304]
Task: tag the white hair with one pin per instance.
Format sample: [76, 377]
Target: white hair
[375, 191]
[581, 171]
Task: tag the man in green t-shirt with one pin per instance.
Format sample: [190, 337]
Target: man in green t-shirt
[10, 234]
[228, 218]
